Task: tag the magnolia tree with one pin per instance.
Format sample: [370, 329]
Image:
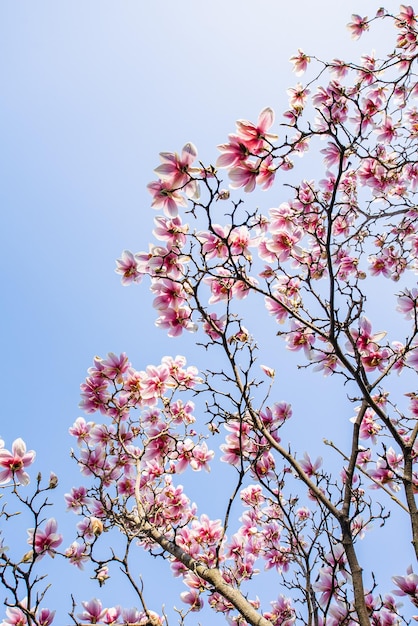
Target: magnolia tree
[310, 263]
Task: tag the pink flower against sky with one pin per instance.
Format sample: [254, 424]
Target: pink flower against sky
[308, 467]
[412, 357]
[244, 175]
[128, 268]
[300, 62]
[15, 617]
[165, 198]
[14, 463]
[254, 135]
[300, 338]
[407, 585]
[358, 26]
[93, 611]
[45, 617]
[297, 96]
[177, 169]
[408, 303]
[45, 540]
[365, 340]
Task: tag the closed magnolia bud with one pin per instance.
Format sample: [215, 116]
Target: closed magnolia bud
[223, 194]
[53, 481]
[102, 575]
[27, 557]
[96, 526]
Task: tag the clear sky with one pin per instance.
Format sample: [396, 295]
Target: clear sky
[90, 92]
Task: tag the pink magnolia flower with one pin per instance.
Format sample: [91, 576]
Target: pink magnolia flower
[238, 443]
[81, 429]
[268, 371]
[408, 585]
[273, 417]
[375, 359]
[282, 612]
[15, 617]
[76, 553]
[282, 246]
[303, 513]
[308, 467]
[264, 466]
[166, 198]
[326, 585]
[45, 540]
[128, 268]
[406, 16]
[412, 356]
[278, 557]
[192, 598]
[369, 428]
[176, 320]
[384, 475]
[170, 294]
[233, 153]
[114, 366]
[358, 26]
[45, 617]
[76, 499]
[386, 132]
[171, 230]
[363, 458]
[111, 614]
[339, 68]
[348, 266]
[252, 495]
[177, 169]
[300, 338]
[366, 342]
[220, 286]
[267, 171]
[182, 413]
[93, 611]
[277, 308]
[214, 243]
[94, 461]
[408, 303]
[206, 531]
[94, 397]
[244, 175]
[214, 326]
[255, 135]
[332, 154]
[300, 62]
[282, 218]
[184, 454]
[327, 362]
[381, 264]
[13, 464]
[201, 457]
[297, 96]
[162, 262]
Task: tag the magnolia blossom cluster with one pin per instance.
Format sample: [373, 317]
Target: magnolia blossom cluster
[358, 221]
[148, 439]
[134, 459]
[16, 616]
[43, 540]
[14, 464]
[311, 259]
[95, 613]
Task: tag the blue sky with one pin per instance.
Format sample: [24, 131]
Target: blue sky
[90, 93]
